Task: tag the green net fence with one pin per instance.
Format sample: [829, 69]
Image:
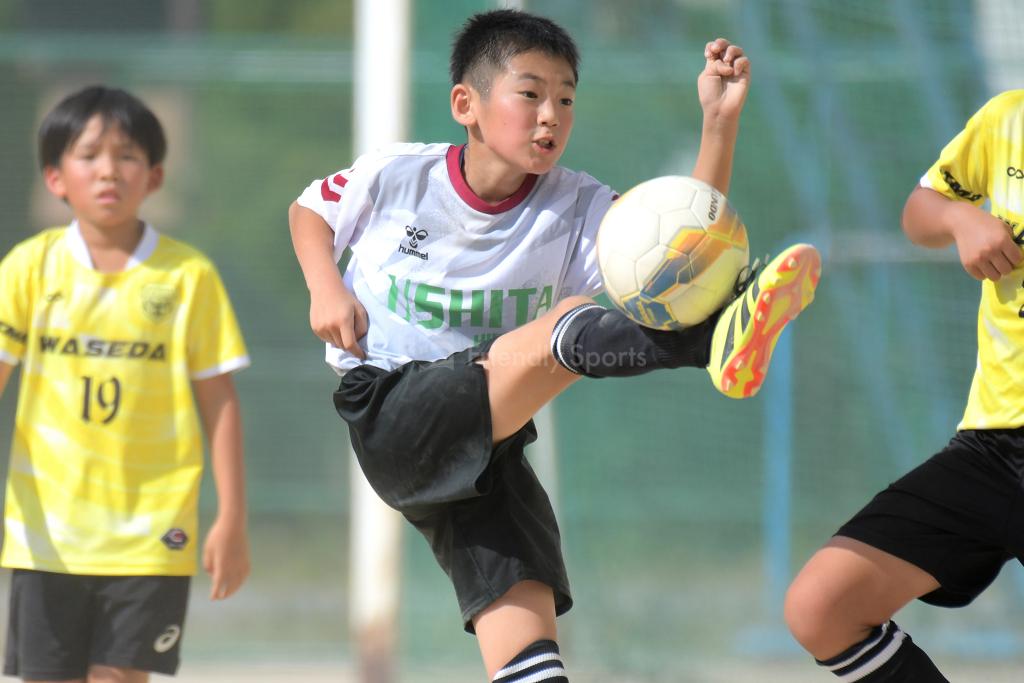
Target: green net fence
[684, 514]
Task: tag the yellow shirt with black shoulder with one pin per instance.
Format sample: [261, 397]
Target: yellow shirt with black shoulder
[107, 453]
[986, 161]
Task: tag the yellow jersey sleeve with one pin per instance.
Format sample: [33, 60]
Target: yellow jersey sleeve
[215, 345]
[961, 171]
[15, 284]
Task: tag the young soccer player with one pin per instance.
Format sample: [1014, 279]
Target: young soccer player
[117, 328]
[465, 308]
[942, 532]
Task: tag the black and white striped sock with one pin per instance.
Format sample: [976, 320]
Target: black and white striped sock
[597, 342]
[538, 663]
[887, 655]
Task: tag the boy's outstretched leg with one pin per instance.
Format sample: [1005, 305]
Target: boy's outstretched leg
[527, 367]
[840, 609]
[517, 636]
[748, 328]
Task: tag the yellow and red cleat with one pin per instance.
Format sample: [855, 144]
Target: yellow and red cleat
[746, 332]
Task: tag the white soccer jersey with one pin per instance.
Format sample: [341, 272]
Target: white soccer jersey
[437, 268]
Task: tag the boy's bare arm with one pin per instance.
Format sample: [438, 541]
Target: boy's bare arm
[985, 243]
[335, 315]
[722, 87]
[5, 374]
[226, 551]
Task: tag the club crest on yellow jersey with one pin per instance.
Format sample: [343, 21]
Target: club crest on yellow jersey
[157, 301]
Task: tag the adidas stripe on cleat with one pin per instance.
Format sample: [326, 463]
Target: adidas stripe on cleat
[749, 326]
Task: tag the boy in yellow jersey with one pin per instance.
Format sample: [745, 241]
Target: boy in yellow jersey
[942, 533]
[117, 328]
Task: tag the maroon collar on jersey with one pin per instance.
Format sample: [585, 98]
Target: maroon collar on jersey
[467, 195]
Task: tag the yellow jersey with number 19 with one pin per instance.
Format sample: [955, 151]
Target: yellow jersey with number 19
[985, 160]
[107, 452]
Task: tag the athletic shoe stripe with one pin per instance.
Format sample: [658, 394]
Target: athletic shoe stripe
[750, 298]
[729, 340]
[518, 667]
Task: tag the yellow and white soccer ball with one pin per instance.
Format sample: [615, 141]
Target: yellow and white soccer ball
[670, 250]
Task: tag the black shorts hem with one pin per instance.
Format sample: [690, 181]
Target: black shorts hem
[127, 662]
[53, 675]
[944, 596]
[563, 600]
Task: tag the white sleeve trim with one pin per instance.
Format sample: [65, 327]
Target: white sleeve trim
[233, 365]
[312, 205]
[9, 358]
[925, 182]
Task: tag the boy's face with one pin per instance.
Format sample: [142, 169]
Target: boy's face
[104, 176]
[526, 117]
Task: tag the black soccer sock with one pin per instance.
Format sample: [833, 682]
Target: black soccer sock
[540, 662]
[594, 341]
[888, 655]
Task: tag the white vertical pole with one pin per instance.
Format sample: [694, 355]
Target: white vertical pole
[381, 104]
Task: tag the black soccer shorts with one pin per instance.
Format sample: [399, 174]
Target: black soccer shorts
[959, 515]
[422, 435]
[60, 624]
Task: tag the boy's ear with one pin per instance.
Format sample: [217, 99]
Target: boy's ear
[156, 178]
[54, 181]
[462, 101]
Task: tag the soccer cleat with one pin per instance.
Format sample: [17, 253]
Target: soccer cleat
[746, 332]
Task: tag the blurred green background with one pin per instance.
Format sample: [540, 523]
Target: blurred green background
[684, 514]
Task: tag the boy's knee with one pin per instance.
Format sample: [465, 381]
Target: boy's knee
[807, 613]
[569, 303]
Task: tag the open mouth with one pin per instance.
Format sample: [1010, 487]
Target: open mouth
[545, 144]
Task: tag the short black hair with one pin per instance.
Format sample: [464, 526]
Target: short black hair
[65, 122]
[487, 41]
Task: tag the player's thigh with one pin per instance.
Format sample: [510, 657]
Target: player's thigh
[850, 582]
[139, 623]
[522, 374]
[49, 626]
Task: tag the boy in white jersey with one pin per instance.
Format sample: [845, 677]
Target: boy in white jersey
[941, 533]
[117, 329]
[465, 308]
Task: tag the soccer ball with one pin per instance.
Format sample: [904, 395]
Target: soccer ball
[670, 250]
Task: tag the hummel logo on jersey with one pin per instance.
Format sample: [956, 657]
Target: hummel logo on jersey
[414, 236]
